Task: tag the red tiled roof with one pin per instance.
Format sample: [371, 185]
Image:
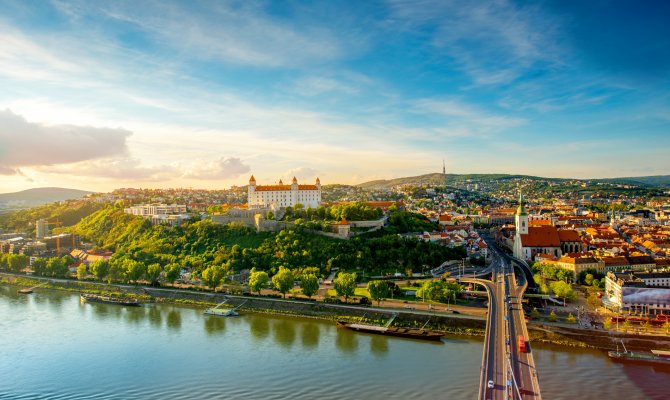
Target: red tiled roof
[568, 235]
[269, 188]
[540, 222]
[541, 236]
[610, 261]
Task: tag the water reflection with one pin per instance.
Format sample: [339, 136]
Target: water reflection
[55, 302]
[346, 341]
[310, 335]
[215, 325]
[174, 320]
[284, 332]
[155, 317]
[259, 328]
[135, 315]
[379, 345]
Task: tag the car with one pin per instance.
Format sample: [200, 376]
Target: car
[490, 385]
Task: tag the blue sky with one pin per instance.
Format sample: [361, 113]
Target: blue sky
[99, 95]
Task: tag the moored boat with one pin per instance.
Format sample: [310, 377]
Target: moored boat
[222, 312]
[94, 298]
[388, 330]
[655, 357]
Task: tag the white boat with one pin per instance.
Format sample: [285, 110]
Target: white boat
[222, 312]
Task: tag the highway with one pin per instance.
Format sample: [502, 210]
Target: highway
[511, 371]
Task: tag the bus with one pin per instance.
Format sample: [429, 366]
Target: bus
[522, 344]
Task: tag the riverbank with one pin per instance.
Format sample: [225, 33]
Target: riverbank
[435, 320]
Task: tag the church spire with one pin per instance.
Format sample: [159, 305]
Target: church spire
[521, 210]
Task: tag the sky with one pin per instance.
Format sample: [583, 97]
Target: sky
[99, 95]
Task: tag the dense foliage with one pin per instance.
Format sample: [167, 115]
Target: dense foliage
[68, 213]
[202, 244]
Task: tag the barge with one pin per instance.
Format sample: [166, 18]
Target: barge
[388, 330]
[93, 298]
[655, 357]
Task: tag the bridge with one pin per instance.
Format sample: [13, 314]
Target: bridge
[508, 368]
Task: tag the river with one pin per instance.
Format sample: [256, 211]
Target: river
[54, 347]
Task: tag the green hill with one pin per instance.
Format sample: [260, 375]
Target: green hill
[437, 179]
[661, 181]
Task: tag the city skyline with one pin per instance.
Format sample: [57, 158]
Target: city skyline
[203, 94]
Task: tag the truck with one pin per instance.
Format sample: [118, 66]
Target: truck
[522, 344]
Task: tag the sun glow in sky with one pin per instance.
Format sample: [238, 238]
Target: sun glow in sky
[99, 95]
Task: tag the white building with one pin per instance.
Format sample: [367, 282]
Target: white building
[148, 210]
[283, 195]
[41, 228]
[172, 214]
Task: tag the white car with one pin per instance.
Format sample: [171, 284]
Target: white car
[490, 385]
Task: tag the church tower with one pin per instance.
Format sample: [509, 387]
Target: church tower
[521, 218]
[521, 223]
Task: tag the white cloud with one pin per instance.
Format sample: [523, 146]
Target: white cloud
[25, 144]
[114, 169]
[463, 117]
[223, 168]
[238, 32]
[493, 42]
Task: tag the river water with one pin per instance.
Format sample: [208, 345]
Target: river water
[54, 347]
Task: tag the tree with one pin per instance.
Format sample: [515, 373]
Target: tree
[431, 290]
[451, 290]
[593, 301]
[154, 272]
[258, 280]
[571, 319]
[100, 269]
[666, 326]
[283, 280]
[40, 266]
[552, 316]
[58, 267]
[646, 325]
[17, 262]
[588, 280]
[134, 270]
[596, 283]
[172, 272]
[81, 271]
[534, 314]
[213, 275]
[626, 325]
[345, 285]
[309, 285]
[563, 290]
[379, 290]
[607, 323]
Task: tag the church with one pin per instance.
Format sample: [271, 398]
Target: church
[281, 195]
[531, 240]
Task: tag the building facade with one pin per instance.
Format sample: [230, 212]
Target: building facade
[266, 196]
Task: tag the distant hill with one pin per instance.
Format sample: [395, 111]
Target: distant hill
[662, 181]
[658, 181]
[437, 179]
[39, 196]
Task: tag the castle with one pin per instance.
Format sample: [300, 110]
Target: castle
[265, 196]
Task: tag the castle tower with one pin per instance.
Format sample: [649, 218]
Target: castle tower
[318, 183]
[294, 191]
[251, 189]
